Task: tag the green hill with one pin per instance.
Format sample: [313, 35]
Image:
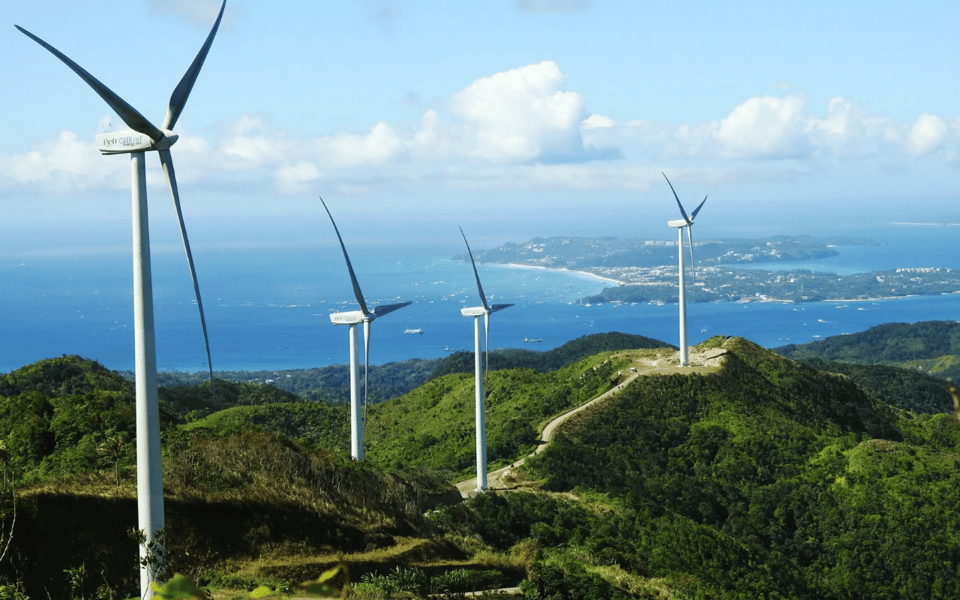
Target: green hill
[761, 478]
[933, 346]
[434, 425]
[764, 479]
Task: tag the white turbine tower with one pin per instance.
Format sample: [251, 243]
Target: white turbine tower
[353, 318]
[680, 224]
[480, 366]
[147, 137]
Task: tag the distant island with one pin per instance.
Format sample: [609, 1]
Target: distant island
[646, 270]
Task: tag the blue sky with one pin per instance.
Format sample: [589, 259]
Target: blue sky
[513, 118]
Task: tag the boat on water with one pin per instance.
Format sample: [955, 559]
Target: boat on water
[532, 340]
[412, 331]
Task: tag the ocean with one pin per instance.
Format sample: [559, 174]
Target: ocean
[267, 307]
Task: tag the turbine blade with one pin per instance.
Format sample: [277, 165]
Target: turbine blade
[385, 309]
[682, 212]
[127, 113]
[167, 162]
[366, 362]
[483, 298]
[180, 94]
[693, 265]
[353, 276]
[497, 307]
[693, 215]
[486, 345]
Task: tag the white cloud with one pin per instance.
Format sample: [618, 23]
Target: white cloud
[518, 129]
[343, 150]
[522, 114]
[762, 127]
[851, 131]
[298, 177]
[597, 122]
[63, 165]
[927, 132]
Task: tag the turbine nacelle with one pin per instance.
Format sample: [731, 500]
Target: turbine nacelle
[352, 317]
[474, 311]
[128, 141]
[677, 223]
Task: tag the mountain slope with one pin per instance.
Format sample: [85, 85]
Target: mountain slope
[887, 343]
[768, 477]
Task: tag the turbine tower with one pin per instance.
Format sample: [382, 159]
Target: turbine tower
[147, 137]
[353, 318]
[480, 368]
[680, 224]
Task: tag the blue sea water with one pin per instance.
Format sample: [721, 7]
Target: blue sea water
[267, 307]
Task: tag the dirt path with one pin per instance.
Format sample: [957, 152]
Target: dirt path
[701, 362]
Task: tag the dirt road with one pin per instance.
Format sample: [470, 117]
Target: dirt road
[699, 362]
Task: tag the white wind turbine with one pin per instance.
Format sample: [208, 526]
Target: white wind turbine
[353, 318]
[680, 224]
[147, 137]
[480, 367]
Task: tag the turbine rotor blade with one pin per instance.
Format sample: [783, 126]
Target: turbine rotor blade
[127, 113]
[167, 162]
[693, 265]
[180, 94]
[483, 298]
[486, 345]
[385, 309]
[353, 276]
[366, 363]
[693, 215]
[682, 212]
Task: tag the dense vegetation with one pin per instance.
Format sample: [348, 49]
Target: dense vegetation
[332, 383]
[932, 346]
[764, 477]
[434, 425]
[768, 479]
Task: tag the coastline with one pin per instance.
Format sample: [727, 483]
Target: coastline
[583, 274]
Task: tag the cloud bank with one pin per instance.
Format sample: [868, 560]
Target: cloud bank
[517, 129]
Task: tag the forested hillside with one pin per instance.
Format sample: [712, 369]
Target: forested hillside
[761, 478]
[932, 346]
[764, 479]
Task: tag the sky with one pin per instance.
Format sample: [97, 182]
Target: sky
[511, 118]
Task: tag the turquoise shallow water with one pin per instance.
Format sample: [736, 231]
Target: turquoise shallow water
[268, 309]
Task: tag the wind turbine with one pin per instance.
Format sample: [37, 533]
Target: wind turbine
[353, 318]
[147, 137]
[680, 224]
[480, 368]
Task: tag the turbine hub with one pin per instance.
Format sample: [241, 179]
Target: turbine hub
[169, 138]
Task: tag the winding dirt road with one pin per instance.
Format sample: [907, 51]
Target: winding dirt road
[699, 362]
